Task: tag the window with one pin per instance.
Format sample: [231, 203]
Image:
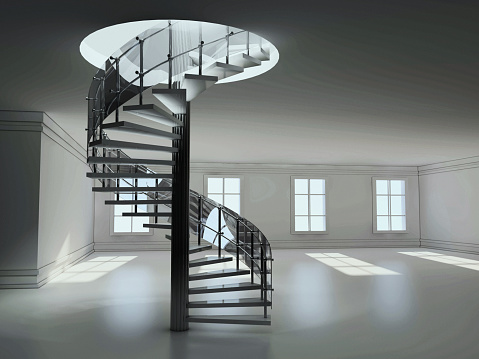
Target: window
[308, 205]
[128, 224]
[225, 191]
[389, 205]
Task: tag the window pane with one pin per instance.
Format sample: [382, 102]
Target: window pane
[216, 197]
[215, 185]
[398, 205]
[141, 208]
[232, 201]
[301, 205]
[300, 223]
[138, 224]
[146, 182]
[381, 186]
[398, 223]
[119, 209]
[383, 223]
[382, 205]
[318, 223]
[300, 186]
[125, 196]
[232, 185]
[316, 186]
[318, 206]
[398, 187]
[122, 224]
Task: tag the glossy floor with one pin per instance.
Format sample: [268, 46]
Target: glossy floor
[348, 303]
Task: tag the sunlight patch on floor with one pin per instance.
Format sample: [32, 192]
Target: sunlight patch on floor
[350, 266]
[442, 258]
[92, 269]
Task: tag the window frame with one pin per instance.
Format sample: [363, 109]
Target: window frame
[241, 178]
[112, 223]
[292, 203]
[374, 198]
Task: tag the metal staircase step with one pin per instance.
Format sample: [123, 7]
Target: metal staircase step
[128, 175]
[131, 189]
[222, 70]
[259, 53]
[218, 274]
[130, 145]
[230, 319]
[130, 127]
[140, 201]
[128, 161]
[146, 214]
[173, 99]
[197, 249]
[196, 84]
[153, 113]
[208, 260]
[232, 287]
[243, 60]
[157, 225]
[229, 303]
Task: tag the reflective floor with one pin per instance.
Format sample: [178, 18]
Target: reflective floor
[351, 303]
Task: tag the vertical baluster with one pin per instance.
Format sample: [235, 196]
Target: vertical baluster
[237, 242]
[252, 256]
[219, 232]
[227, 44]
[141, 70]
[156, 197]
[170, 55]
[247, 43]
[200, 216]
[118, 90]
[200, 48]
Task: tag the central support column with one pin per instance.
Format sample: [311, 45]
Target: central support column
[180, 233]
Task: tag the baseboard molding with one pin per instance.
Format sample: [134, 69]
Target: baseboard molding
[450, 246]
[344, 243]
[131, 246]
[35, 278]
[51, 270]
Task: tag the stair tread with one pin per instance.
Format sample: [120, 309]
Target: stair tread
[146, 214]
[196, 84]
[225, 287]
[244, 60]
[236, 302]
[230, 319]
[128, 175]
[139, 201]
[103, 143]
[128, 161]
[209, 260]
[218, 274]
[153, 113]
[131, 127]
[200, 248]
[157, 225]
[131, 189]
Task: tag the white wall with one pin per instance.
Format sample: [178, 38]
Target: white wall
[266, 203]
[46, 204]
[449, 197]
[66, 202]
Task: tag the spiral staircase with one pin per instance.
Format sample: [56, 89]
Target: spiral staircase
[157, 185]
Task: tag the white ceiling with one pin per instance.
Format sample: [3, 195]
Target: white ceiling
[358, 82]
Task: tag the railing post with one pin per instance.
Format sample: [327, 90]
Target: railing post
[170, 55]
[118, 90]
[227, 44]
[252, 256]
[141, 71]
[237, 242]
[247, 43]
[200, 216]
[200, 48]
[219, 232]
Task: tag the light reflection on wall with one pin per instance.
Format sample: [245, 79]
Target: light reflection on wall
[92, 269]
[350, 266]
[437, 257]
